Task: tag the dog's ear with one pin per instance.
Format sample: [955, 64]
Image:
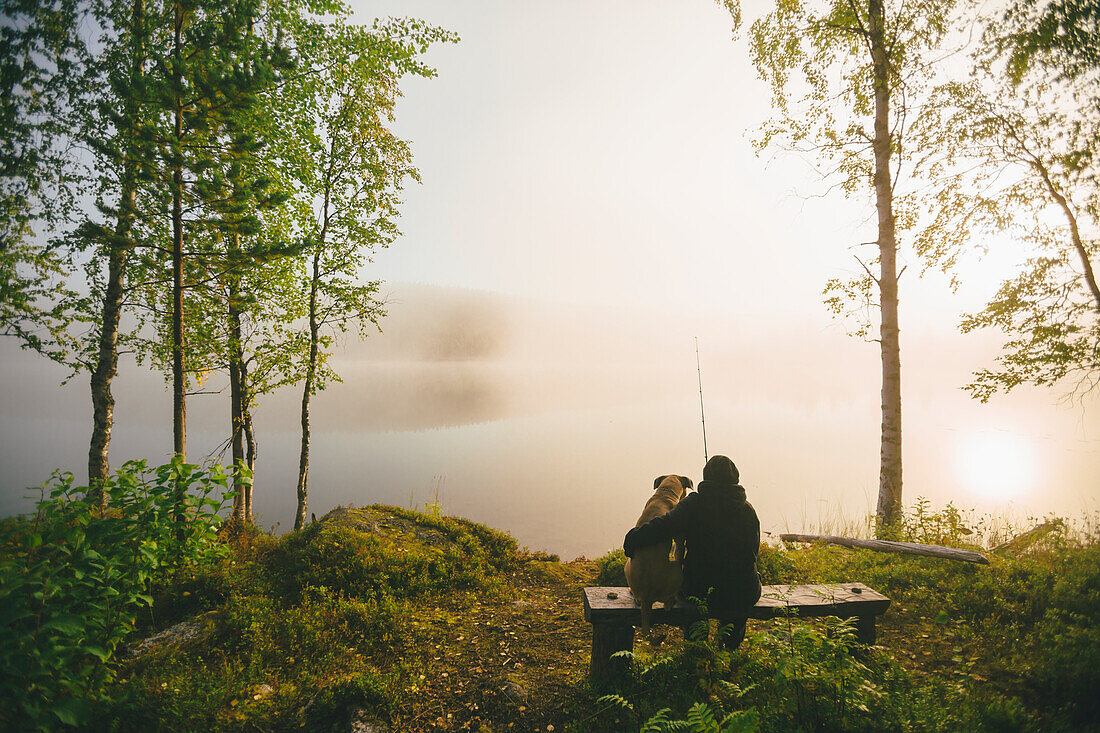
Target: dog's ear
[657, 481]
[685, 482]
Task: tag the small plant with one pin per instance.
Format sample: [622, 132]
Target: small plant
[434, 509]
[699, 719]
[921, 524]
[610, 568]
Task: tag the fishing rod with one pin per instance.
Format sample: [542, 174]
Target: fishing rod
[702, 415]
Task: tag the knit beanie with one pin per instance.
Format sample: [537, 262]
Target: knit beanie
[720, 470]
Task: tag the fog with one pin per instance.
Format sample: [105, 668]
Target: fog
[590, 204]
[551, 420]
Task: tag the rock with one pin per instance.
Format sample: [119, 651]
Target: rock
[363, 722]
[515, 692]
[182, 633]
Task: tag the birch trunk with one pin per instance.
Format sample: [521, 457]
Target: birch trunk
[106, 367]
[307, 389]
[179, 398]
[236, 359]
[311, 367]
[249, 438]
[890, 477]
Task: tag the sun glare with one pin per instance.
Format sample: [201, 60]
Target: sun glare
[995, 464]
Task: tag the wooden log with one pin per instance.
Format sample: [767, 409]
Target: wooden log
[1023, 541]
[909, 548]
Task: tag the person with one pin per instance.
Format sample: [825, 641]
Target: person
[721, 534]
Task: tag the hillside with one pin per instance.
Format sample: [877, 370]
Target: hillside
[376, 615]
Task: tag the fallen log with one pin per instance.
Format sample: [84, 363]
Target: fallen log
[1021, 542]
[910, 548]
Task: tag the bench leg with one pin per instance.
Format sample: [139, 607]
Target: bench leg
[865, 630]
[606, 640]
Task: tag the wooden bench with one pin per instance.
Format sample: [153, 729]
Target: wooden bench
[613, 613]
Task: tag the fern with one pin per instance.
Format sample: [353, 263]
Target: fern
[741, 721]
[658, 723]
[701, 719]
[656, 665]
[616, 700]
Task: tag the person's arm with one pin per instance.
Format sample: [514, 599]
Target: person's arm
[661, 528]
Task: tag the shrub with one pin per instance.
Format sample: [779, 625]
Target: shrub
[610, 568]
[73, 579]
[366, 565]
[774, 566]
[1067, 638]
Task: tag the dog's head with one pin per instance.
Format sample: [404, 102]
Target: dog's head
[679, 485]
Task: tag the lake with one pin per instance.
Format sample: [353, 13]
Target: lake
[551, 422]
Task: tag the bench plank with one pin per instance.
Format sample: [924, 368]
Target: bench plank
[613, 613]
[605, 604]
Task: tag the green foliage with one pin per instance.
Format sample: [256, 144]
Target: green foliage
[701, 719]
[43, 67]
[364, 565]
[1029, 621]
[819, 61]
[1063, 35]
[73, 580]
[485, 543]
[1067, 638]
[809, 677]
[921, 524]
[309, 614]
[798, 676]
[773, 566]
[347, 169]
[610, 568]
[1011, 150]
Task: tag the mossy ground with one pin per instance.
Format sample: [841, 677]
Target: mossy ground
[425, 622]
[435, 623]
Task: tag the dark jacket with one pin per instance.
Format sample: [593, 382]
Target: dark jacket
[722, 537]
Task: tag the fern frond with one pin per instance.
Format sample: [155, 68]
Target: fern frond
[701, 719]
[658, 723]
[617, 700]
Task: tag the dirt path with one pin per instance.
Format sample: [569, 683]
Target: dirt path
[512, 664]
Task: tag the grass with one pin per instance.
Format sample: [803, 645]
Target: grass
[417, 619]
[1005, 647]
[432, 623]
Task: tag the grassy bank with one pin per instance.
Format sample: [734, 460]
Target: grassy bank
[1007, 647]
[416, 621]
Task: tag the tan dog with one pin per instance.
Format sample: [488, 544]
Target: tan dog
[651, 575]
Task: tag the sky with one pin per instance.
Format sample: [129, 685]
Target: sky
[599, 154]
[591, 204]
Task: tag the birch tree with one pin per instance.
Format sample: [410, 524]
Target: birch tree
[44, 68]
[1013, 150]
[349, 169]
[844, 75]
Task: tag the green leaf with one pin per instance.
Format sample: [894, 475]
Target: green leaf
[71, 711]
[99, 652]
[66, 624]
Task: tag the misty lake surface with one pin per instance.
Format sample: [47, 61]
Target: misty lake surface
[551, 423]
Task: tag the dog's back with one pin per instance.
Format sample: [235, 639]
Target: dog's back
[650, 574]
